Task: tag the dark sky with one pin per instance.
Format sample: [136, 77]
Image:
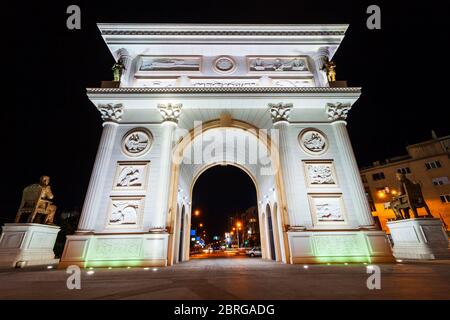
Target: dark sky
[50, 127]
[220, 192]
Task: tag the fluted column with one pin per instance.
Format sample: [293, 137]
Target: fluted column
[170, 113]
[280, 118]
[111, 114]
[337, 113]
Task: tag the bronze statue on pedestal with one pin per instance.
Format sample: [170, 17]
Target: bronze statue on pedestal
[330, 68]
[117, 69]
[410, 197]
[36, 203]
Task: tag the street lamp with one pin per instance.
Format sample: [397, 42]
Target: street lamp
[196, 213]
[238, 225]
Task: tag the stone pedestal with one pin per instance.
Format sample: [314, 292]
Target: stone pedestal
[422, 238]
[339, 247]
[27, 244]
[115, 250]
[338, 84]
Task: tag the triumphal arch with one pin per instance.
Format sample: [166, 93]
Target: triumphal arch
[195, 96]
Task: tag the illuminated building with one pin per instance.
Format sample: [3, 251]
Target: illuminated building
[427, 163]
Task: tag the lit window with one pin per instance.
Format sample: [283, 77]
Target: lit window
[404, 170]
[433, 165]
[378, 176]
[439, 181]
[445, 198]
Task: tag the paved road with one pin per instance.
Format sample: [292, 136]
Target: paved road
[233, 278]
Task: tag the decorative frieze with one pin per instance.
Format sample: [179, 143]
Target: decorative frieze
[277, 64]
[170, 64]
[224, 64]
[111, 111]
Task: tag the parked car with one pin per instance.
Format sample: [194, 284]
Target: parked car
[254, 252]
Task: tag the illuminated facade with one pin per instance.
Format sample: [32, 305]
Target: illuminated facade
[252, 96]
[427, 163]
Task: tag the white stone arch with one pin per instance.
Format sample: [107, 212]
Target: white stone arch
[186, 174]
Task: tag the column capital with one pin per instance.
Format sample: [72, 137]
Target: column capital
[170, 112]
[280, 112]
[111, 112]
[338, 111]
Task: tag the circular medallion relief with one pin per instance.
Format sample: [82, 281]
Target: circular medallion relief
[313, 141]
[224, 64]
[137, 142]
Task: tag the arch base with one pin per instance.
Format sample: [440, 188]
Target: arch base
[318, 247]
[116, 250]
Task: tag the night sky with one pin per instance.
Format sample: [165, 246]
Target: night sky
[50, 127]
[220, 192]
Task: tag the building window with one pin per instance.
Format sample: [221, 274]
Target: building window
[433, 164]
[378, 176]
[440, 181]
[404, 170]
[364, 178]
[445, 198]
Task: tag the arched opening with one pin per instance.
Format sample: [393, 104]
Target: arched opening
[225, 220]
[237, 146]
[270, 233]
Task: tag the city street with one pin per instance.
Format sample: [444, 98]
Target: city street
[233, 277]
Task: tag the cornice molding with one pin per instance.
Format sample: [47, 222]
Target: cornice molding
[138, 29]
[220, 33]
[194, 90]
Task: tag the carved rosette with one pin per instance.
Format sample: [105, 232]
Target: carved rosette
[111, 111]
[338, 111]
[170, 112]
[280, 112]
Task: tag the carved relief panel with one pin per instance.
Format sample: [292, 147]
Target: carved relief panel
[137, 142]
[131, 175]
[125, 212]
[313, 141]
[169, 65]
[277, 64]
[320, 173]
[327, 209]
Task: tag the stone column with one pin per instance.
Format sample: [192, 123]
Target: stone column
[280, 118]
[170, 114]
[111, 114]
[337, 113]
